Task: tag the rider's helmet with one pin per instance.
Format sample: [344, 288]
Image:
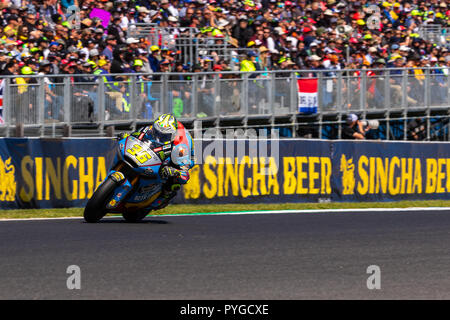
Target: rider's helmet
[164, 129]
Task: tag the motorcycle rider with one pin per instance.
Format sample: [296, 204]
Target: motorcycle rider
[175, 147]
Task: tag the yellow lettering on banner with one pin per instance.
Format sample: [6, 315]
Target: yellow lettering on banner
[231, 176]
[52, 177]
[301, 175]
[325, 171]
[245, 192]
[289, 183]
[220, 168]
[313, 175]
[394, 185]
[382, 175]
[27, 167]
[417, 183]
[211, 179]
[431, 176]
[259, 175]
[192, 189]
[440, 175]
[363, 185]
[447, 184]
[101, 172]
[71, 161]
[39, 181]
[372, 169]
[86, 178]
[272, 183]
[407, 175]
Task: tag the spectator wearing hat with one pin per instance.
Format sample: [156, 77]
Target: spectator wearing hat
[154, 58]
[127, 19]
[112, 87]
[11, 68]
[396, 83]
[111, 43]
[165, 65]
[354, 129]
[249, 64]
[439, 79]
[242, 32]
[52, 101]
[115, 30]
[119, 64]
[12, 25]
[25, 108]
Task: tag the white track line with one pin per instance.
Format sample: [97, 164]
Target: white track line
[309, 211]
[412, 209]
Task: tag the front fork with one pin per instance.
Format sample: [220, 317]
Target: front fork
[124, 186]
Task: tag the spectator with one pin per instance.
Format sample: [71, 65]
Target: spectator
[242, 32]
[354, 128]
[304, 34]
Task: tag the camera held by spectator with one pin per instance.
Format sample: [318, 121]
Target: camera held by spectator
[356, 129]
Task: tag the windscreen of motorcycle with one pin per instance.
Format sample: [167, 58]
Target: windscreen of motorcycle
[181, 155]
[140, 152]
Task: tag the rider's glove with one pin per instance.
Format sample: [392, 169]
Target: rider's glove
[122, 135]
[169, 172]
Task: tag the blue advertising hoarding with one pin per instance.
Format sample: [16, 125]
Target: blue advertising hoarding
[54, 173]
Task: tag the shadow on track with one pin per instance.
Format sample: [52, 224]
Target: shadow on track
[121, 220]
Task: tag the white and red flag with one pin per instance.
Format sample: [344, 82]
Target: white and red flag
[307, 95]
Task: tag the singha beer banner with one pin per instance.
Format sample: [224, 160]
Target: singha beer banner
[40, 173]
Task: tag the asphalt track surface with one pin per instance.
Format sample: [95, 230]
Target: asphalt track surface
[264, 256]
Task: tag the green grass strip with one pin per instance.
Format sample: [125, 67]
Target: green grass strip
[185, 208]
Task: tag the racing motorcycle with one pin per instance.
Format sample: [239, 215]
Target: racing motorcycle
[133, 187]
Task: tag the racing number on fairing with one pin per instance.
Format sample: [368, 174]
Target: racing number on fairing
[141, 156]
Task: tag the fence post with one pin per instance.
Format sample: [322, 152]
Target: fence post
[41, 106]
[387, 99]
[427, 101]
[244, 93]
[217, 97]
[164, 93]
[448, 104]
[101, 103]
[272, 99]
[7, 105]
[272, 93]
[294, 93]
[362, 90]
[133, 101]
[339, 98]
[195, 95]
[67, 101]
[405, 103]
[339, 101]
[294, 102]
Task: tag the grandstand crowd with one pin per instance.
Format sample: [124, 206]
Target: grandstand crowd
[42, 36]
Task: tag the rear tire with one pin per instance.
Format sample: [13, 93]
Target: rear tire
[96, 206]
[136, 216]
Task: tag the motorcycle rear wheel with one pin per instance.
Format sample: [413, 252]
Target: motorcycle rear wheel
[96, 206]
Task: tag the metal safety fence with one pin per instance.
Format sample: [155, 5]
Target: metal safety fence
[266, 99]
[435, 33]
[189, 44]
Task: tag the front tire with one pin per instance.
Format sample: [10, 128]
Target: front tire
[136, 216]
[96, 206]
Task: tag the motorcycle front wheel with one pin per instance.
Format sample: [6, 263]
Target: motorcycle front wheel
[96, 206]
